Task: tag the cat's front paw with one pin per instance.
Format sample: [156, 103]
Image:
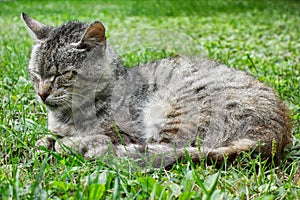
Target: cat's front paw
[88, 146]
[45, 142]
[69, 145]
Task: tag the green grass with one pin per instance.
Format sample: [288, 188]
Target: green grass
[261, 37]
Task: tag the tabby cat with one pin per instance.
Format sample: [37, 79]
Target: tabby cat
[156, 112]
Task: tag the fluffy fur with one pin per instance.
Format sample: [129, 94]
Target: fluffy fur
[153, 112]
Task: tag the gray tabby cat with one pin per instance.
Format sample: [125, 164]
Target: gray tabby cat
[154, 112]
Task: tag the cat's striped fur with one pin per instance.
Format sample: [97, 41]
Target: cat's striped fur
[160, 109]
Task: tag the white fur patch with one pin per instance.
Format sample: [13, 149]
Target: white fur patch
[155, 116]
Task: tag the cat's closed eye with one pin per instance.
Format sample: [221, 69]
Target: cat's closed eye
[69, 74]
[67, 78]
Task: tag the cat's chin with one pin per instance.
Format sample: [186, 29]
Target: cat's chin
[52, 107]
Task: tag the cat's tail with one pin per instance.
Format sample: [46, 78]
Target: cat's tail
[159, 155]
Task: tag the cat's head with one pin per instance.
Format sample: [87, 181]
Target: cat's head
[62, 54]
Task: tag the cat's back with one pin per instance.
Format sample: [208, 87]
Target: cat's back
[189, 79]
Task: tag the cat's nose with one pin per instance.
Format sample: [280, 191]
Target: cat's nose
[44, 90]
[43, 95]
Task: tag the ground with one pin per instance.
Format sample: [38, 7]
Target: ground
[261, 37]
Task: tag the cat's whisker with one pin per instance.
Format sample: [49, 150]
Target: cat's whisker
[80, 95]
[73, 106]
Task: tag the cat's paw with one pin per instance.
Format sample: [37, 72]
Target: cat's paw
[45, 142]
[68, 145]
[88, 146]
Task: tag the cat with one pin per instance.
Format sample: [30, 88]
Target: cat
[154, 113]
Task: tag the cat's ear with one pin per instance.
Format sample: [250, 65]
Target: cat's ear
[38, 30]
[93, 36]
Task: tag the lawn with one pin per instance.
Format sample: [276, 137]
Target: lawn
[261, 37]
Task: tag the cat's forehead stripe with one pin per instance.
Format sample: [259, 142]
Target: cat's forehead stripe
[67, 33]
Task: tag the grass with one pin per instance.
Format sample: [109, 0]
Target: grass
[261, 37]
